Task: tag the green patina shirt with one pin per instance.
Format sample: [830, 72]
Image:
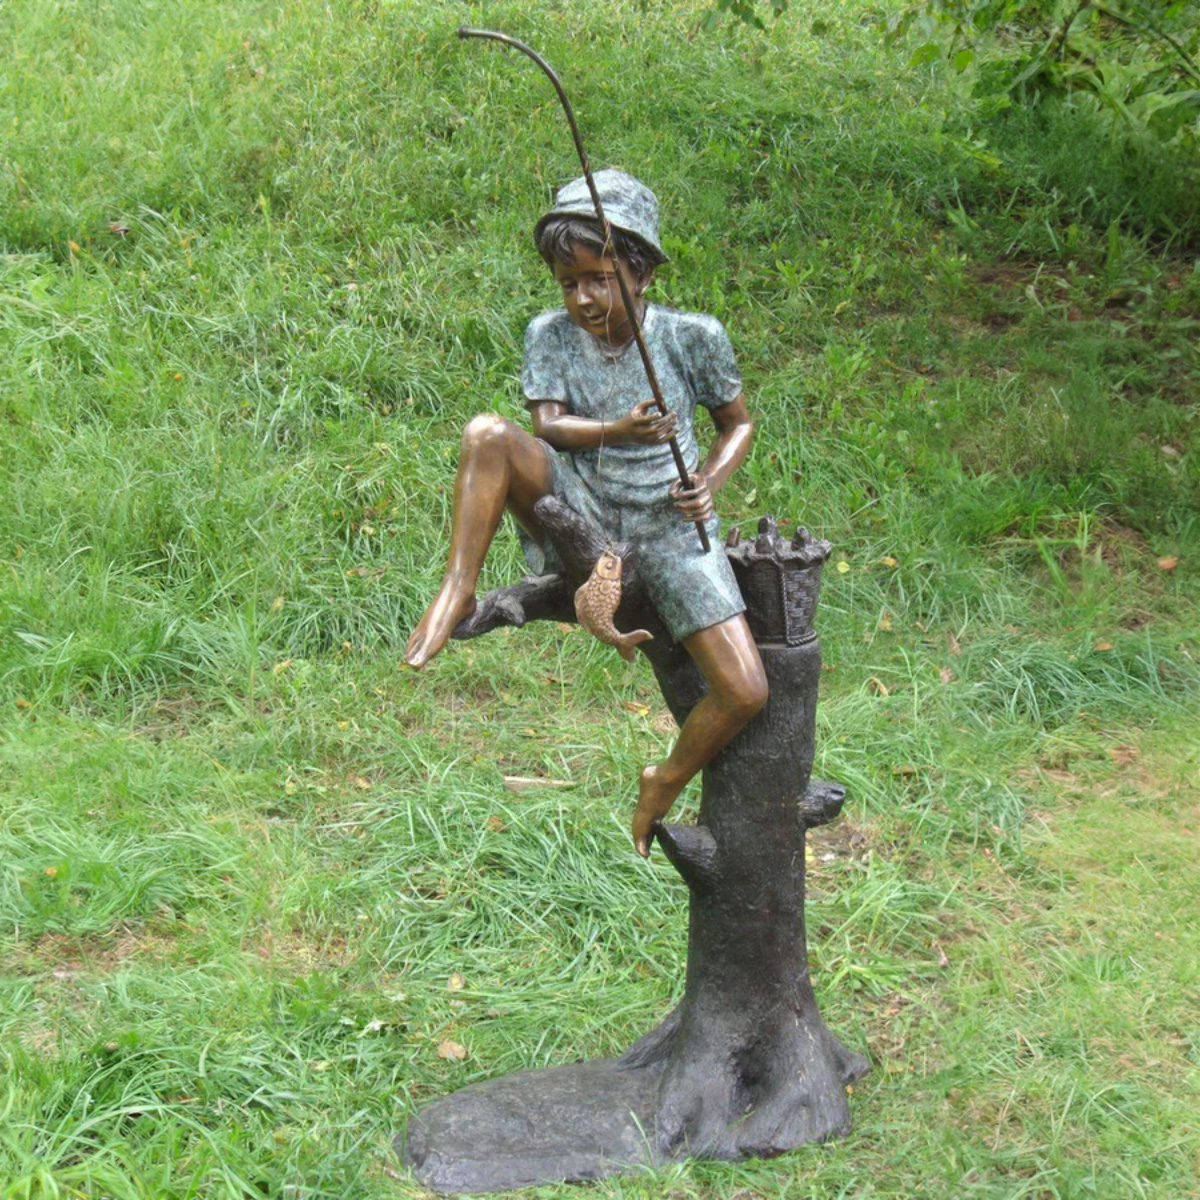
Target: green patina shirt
[625, 489]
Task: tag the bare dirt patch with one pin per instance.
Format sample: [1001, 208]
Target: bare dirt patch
[840, 841]
[62, 956]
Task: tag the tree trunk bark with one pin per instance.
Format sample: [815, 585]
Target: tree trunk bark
[752, 1069]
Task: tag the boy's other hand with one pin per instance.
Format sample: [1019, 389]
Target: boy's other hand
[694, 503]
[644, 425]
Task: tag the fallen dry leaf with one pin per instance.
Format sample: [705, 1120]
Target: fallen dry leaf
[451, 1051]
[885, 623]
[642, 710]
[1103, 646]
[496, 824]
[1169, 562]
[907, 771]
[946, 675]
[888, 561]
[877, 686]
[953, 643]
[456, 982]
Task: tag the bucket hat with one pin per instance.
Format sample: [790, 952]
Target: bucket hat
[629, 205]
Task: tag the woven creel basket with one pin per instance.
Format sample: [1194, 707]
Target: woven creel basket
[780, 582]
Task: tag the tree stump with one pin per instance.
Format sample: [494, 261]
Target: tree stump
[745, 1065]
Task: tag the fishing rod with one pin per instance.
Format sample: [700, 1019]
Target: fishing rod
[651, 376]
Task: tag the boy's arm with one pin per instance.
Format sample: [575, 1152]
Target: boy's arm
[554, 423]
[735, 432]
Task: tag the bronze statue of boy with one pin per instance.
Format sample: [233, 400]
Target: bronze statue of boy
[604, 452]
[744, 1065]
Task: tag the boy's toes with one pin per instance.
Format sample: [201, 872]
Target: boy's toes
[414, 652]
[645, 823]
[641, 842]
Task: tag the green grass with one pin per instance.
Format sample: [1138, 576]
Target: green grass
[243, 856]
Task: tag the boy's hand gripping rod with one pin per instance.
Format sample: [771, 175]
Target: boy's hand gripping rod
[684, 477]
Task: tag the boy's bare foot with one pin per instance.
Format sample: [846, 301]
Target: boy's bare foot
[451, 605]
[656, 794]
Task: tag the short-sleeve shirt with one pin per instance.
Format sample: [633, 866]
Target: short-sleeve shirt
[625, 489]
[693, 360]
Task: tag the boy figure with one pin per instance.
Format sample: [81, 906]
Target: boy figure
[607, 458]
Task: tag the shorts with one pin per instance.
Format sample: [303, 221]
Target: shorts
[690, 589]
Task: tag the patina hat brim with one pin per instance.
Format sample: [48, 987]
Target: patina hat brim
[630, 206]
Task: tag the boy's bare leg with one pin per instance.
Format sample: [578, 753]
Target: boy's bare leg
[499, 466]
[737, 690]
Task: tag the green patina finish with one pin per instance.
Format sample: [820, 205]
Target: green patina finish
[625, 489]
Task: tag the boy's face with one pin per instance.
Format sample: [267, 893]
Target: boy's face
[592, 295]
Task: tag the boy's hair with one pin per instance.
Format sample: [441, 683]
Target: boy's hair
[558, 236]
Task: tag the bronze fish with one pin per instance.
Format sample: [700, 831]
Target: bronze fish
[597, 601]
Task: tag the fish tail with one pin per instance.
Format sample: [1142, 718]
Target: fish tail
[625, 642]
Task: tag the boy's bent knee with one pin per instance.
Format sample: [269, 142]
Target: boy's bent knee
[757, 694]
[747, 697]
[486, 430]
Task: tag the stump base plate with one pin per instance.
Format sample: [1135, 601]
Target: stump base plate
[561, 1125]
